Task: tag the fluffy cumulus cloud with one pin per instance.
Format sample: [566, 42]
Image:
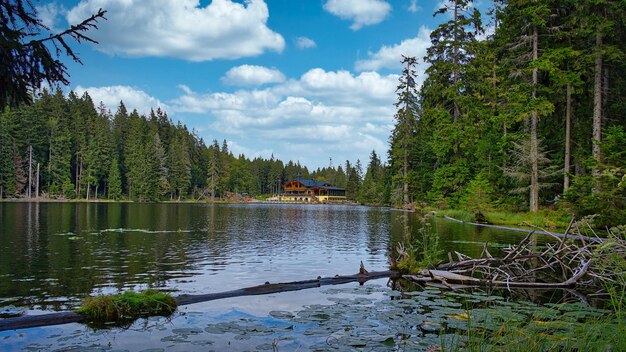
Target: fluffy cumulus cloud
[360, 12]
[182, 29]
[390, 56]
[320, 114]
[305, 43]
[251, 75]
[111, 96]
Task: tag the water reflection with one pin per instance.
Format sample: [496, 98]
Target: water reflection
[54, 254]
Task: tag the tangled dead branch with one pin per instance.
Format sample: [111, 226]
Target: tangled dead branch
[564, 262]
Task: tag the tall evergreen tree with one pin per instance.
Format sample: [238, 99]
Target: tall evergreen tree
[114, 180]
[403, 136]
[7, 166]
[180, 162]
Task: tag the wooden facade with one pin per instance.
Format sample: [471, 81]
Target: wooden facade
[311, 191]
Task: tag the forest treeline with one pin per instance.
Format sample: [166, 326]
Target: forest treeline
[532, 114]
[71, 149]
[529, 115]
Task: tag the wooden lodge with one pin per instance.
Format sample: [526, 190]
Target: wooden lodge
[302, 190]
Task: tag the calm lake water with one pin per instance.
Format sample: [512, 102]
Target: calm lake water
[54, 254]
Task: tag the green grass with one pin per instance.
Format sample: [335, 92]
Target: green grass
[127, 306]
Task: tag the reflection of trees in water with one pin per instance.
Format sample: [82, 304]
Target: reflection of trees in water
[48, 263]
[58, 252]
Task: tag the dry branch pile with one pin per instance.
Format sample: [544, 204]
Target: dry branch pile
[561, 263]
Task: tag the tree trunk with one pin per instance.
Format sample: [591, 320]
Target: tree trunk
[455, 78]
[80, 176]
[597, 102]
[76, 176]
[568, 137]
[30, 171]
[405, 181]
[534, 144]
[36, 184]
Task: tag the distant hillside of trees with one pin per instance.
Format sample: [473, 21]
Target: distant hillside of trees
[73, 149]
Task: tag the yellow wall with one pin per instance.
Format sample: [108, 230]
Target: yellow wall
[303, 199]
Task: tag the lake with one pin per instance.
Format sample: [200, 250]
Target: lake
[52, 255]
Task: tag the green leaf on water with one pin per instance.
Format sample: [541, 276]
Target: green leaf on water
[389, 342]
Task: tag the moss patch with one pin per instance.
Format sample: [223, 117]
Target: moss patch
[128, 306]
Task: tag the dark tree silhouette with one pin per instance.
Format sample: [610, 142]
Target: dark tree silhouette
[25, 50]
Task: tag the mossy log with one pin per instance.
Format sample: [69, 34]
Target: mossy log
[59, 318]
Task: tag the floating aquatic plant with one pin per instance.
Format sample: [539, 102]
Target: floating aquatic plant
[128, 306]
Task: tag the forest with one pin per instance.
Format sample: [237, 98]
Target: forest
[529, 114]
[521, 108]
[71, 149]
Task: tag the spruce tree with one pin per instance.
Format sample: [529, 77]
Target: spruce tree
[403, 136]
[114, 180]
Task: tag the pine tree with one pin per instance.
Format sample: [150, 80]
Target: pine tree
[180, 169]
[161, 162]
[7, 165]
[213, 173]
[59, 165]
[522, 22]
[114, 180]
[403, 136]
[372, 189]
[20, 175]
[353, 184]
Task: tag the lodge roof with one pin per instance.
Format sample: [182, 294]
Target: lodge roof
[312, 183]
[315, 183]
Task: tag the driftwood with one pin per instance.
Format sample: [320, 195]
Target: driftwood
[567, 262]
[268, 288]
[456, 281]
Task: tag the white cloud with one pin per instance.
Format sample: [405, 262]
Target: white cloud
[321, 114]
[250, 75]
[305, 43]
[318, 115]
[361, 12]
[414, 7]
[112, 95]
[390, 56]
[49, 14]
[181, 29]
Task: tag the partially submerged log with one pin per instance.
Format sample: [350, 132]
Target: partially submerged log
[268, 288]
[542, 231]
[31, 321]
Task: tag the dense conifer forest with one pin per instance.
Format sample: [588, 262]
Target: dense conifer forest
[522, 108]
[71, 149]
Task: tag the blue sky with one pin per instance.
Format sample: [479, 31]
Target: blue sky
[305, 80]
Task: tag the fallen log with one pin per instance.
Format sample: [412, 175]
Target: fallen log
[31, 321]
